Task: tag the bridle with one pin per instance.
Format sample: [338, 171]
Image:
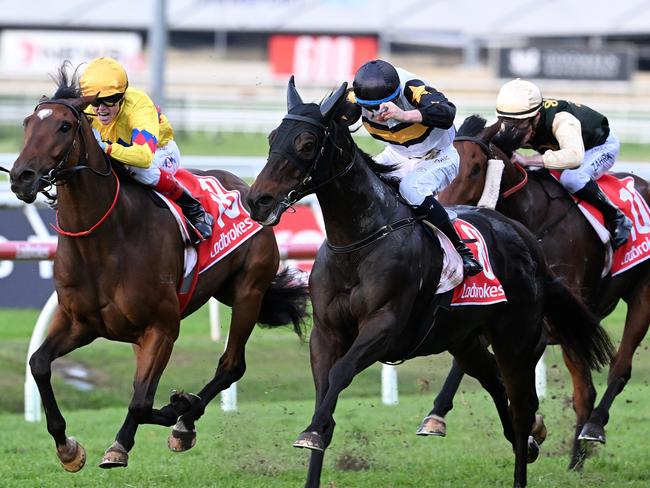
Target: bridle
[487, 150]
[303, 189]
[60, 175]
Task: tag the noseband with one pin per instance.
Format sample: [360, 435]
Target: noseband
[302, 189]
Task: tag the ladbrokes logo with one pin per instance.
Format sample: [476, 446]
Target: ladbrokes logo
[637, 251]
[238, 229]
[482, 291]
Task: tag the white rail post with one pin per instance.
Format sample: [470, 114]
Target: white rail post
[32, 396]
[213, 311]
[540, 377]
[389, 395]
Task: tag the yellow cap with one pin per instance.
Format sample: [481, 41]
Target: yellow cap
[518, 99]
[103, 77]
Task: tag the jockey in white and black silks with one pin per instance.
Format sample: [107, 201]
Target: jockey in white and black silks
[132, 130]
[569, 137]
[416, 122]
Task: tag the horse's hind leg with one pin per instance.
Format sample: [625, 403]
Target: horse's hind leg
[152, 355]
[584, 396]
[434, 423]
[62, 338]
[249, 289]
[474, 358]
[636, 327]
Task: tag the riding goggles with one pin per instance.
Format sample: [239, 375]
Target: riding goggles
[109, 101]
[374, 104]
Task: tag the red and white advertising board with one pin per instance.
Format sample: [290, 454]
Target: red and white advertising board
[320, 58]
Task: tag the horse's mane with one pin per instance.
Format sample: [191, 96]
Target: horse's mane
[67, 81]
[472, 126]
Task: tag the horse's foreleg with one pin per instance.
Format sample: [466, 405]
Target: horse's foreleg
[620, 371]
[368, 347]
[152, 355]
[62, 338]
[434, 423]
[325, 349]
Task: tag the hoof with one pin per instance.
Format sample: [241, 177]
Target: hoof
[310, 440]
[592, 433]
[533, 450]
[180, 438]
[433, 425]
[72, 455]
[539, 429]
[115, 457]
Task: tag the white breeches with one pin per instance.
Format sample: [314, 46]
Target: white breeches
[421, 177]
[167, 158]
[597, 161]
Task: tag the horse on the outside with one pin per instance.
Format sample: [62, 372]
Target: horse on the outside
[119, 262]
[373, 282]
[574, 253]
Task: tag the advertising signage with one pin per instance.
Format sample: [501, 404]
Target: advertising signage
[567, 63]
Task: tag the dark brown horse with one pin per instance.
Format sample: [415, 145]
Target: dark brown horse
[373, 282]
[120, 280]
[573, 251]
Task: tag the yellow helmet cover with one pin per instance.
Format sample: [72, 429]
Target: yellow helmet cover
[103, 77]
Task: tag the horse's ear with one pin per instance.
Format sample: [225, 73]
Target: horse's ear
[293, 98]
[491, 131]
[329, 105]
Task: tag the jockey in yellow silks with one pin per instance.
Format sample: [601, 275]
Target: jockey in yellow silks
[132, 130]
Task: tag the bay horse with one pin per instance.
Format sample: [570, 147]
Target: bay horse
[373, 282]
[116, 274]
[574, 253]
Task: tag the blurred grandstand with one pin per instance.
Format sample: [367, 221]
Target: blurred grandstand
[227, 61]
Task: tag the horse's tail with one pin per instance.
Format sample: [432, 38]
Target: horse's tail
[285, 302]
[574, 326]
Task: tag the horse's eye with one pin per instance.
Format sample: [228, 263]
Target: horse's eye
[308, 147]
[65, 126]
[476, 170]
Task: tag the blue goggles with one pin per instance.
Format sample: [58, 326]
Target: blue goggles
[374, 104]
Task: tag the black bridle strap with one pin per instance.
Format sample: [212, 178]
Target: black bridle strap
[303, 118]
[479, 142]
[375, 236]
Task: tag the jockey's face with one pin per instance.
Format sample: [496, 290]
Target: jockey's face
[106, 114]
[521, 130]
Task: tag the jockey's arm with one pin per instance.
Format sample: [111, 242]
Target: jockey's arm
[568, 132]
[431, 107]
[144, 138]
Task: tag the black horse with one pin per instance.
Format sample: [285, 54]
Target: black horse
[373, 282]
[573, 251]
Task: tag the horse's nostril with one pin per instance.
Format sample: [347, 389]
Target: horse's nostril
[265, 201]
[27, 177]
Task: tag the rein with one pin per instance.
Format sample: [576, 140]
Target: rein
[380, 233]
[519, 185]
[60, 175]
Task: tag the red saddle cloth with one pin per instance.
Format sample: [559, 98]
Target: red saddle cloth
[232, 224]
[483, 288]
[623, 194]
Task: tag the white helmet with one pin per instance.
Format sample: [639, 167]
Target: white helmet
[518, 99]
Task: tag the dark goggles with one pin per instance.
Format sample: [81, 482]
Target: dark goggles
[110, 101]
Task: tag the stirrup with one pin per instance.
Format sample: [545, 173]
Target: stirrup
[621, 231]
[471, 266]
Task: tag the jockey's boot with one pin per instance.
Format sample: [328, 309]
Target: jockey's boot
[616, 222]
[193, 211]
[196, 214]
[436, 214]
